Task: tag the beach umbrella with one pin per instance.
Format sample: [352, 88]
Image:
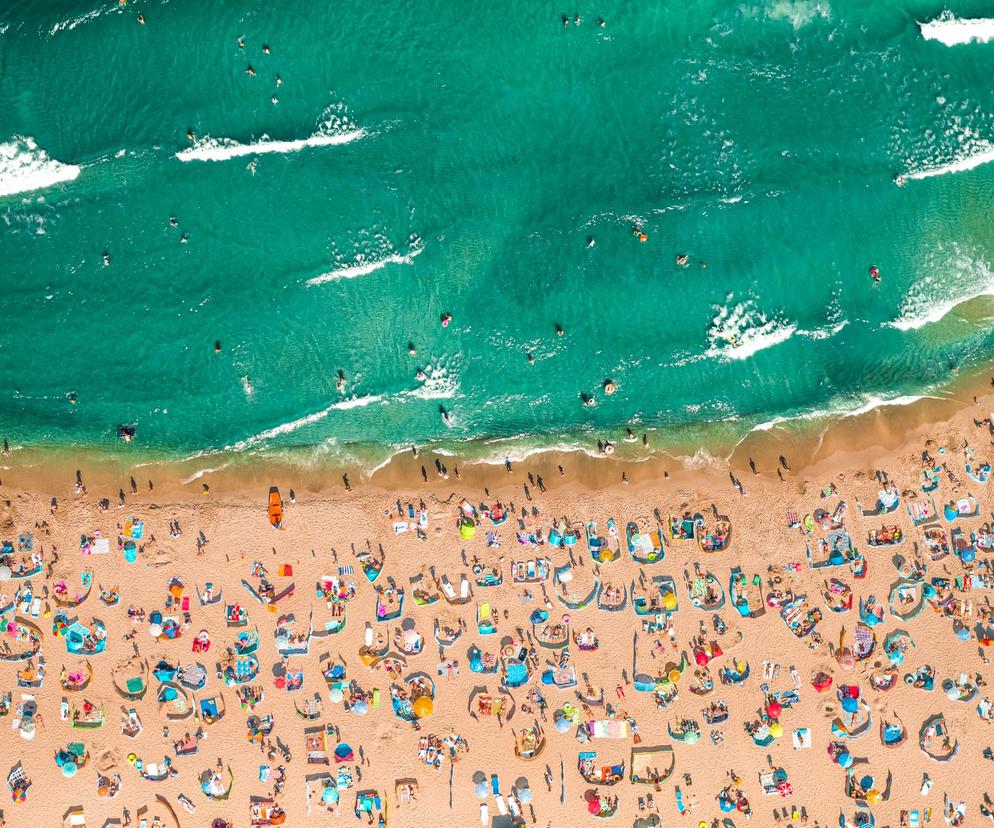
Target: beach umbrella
[476, 665]
[691, 736]
[594, 805]
[776, 730]
[669, 601]
[866, 782]
[849, 704]
[360, 708]
[482, 790]
[330, 795]
[69, 769]
[773, 710]
[423, 706]
[845, 760]
[155, 630]
[963, 634]
[335, 694]
[5, 573]
[968, 555]
[524, 793]
[563, 724]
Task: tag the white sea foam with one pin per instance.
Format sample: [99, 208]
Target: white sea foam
[25, 167]
[223, 149]
[798, 12]
[71, 23]
[974, 154]
[309, 419]
[742, 331]
[201, 472]
[363, 267]
[953, 31]
[931, 298]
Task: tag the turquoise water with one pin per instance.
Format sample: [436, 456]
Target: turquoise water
[451, 158]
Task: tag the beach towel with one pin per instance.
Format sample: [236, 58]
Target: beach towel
[346, 570]
[611, 729]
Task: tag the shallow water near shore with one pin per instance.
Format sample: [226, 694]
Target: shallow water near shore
[460, 162]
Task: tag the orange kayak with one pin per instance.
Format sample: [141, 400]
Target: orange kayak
[275, 508]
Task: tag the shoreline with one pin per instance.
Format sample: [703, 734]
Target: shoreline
[808, 442]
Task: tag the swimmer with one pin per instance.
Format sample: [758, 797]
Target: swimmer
[420, 376]
[217, 346]
[609, 387]
[250, 71]
[183, 239]
[190, 136]
[106, 259]
[531, 358]
[875, 273]
[411, 350]
[250, 166]
[275, 100]
[241, 43]
[446, 319]
[559, 330]
[577, 20]
[340, 384]
[72, 398]
[173, 222]
[265, 49]
[565, 21]
[141, 19]
[446, 416]
[601, 22]
[681, 260]
[588, 400]
[279, 81]
[631, 438]
[900, 181]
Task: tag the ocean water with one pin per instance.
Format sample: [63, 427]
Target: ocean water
[446, 158]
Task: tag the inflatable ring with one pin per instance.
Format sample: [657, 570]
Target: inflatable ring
[674, 676]
[847, 663]
[132, 758]
[508, 651]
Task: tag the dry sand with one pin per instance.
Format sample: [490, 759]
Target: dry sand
[327, 522]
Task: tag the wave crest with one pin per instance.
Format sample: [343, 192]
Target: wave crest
[953, 31]
[24, 167]
[224, 149]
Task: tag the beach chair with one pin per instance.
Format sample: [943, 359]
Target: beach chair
[484, 622]
[464, 588]
[450, 593]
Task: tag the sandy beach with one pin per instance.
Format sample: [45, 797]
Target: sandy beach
[189, 537]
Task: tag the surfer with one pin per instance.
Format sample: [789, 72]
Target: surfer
[241, 43]
[72, 398]
[591, 241]
[681, 260]
[875, 274]
[250, 71]
[275, 100]
[531, 358]
[411, 350]
[190, 136]
[559, 330]
[340, 384]
[217, 346]
[265, 49]
[173, 222]
[279, 81]
[183, 239]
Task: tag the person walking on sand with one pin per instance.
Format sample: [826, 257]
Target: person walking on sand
[345, 480]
